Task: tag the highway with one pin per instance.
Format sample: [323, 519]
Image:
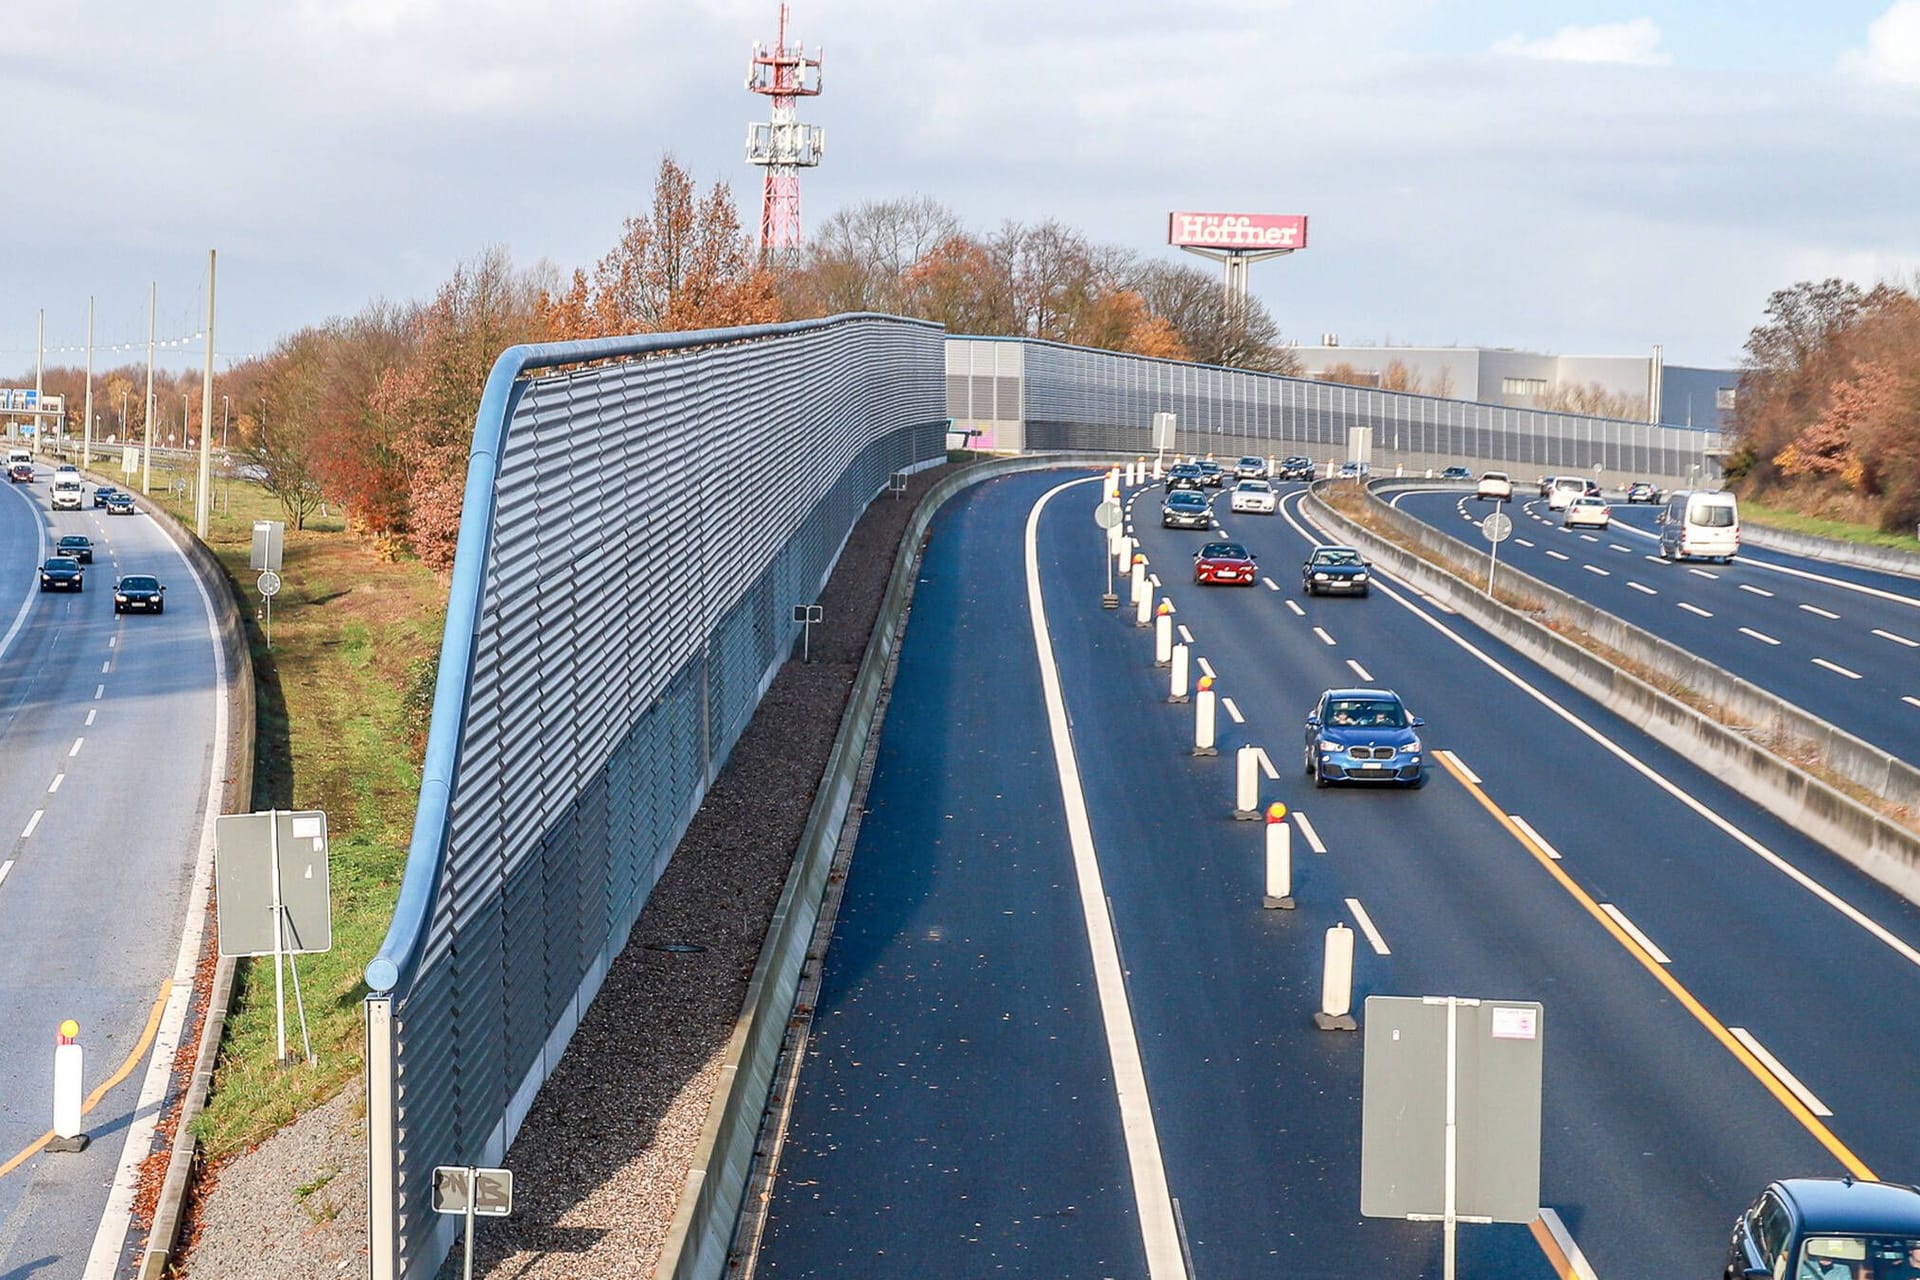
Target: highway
[1840, 642]
[1058, 1034]
[109, 729]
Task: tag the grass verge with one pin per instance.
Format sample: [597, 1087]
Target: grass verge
[339, 722]
[1823, 527]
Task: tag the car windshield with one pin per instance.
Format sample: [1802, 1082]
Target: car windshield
[1252, 462]
[1711, 515]
[1186, 498]
[61, 562]
[1224, 551]
[139, 584]
[1378, 713]
[74, 540]
[1839, 1257]
[1253, 486]
[1336, 556]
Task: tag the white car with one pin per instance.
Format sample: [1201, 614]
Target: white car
[1564, 489]
[1255, 496]
[1593, 513]
[1497, 485]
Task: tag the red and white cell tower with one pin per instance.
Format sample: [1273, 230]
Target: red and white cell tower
[783, 146]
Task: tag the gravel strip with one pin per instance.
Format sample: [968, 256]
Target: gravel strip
[601, 1160]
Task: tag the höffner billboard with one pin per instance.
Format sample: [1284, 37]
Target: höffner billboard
[1237, 230]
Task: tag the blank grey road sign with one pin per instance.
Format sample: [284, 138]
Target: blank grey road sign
[268, 537]
[492, 1190]
[243, 870]
[1496, 1109]
[1163, 429]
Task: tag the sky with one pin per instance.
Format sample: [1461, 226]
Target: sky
[1577, 178]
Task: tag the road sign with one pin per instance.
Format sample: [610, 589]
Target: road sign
[269, 584]
[1497, 527]
[1163, 429]
[130, 460]
[244, 849]
[1107, 514]
[269, 537]
[492, 1195]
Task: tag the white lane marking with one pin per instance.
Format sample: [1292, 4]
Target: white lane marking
[1761, 637]
[1360, 671]
[1627, 927]
[91, 713]
[1306, 829]
[1365, 921]
[1461, 765]
[1888, 635]
[1594, 568]
[1523, 542]
[1587, 537]
[1233, 712]
[1759, 591]
[1780, 1072]
[1695, 609]
[99, 690]
[110, 640]
[1152, 1199]
[1705, 573]
[1154, 578]
[1271, 584]
[33, 822]
[1654, 559]
[1298, 612]
[1322, 633]
[1576, 1260]
[1842, 583]
[1206, 668]
[1533, 835]
[27, 599]
[1836, 668]
[76, 748]
[106, 666]
[1186, 636]
[5, 867]
[54, 786]
[1816, 610]
[1559, 555]
[1910, 700]
[1617, 547]
[1266, 764]
[1644, 590]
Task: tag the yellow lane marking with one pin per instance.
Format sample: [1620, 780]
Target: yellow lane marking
[138, 1052]
[1551, 1247]
[1796, 1108]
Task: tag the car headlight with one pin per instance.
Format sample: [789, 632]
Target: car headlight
[1319, 577]
[1359, 577]
[119, 599]
[1328, 746]
[1412, 748]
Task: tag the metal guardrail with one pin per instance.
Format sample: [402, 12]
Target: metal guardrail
[609, 632]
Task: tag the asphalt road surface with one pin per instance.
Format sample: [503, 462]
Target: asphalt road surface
[1059, 1035]
[107, 748]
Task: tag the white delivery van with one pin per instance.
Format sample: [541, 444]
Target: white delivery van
[16, 454]
[1700, 524]
[67, 494]
[1565, 489]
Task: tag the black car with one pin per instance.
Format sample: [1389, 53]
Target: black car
[1842, 1227]
[1642, 491]
[102, 492]
[62, 573]
[1251, 468]
[77, 545]
[120, 503]
[1186, 509]
[1184, 475]
[1331, 568]
[1456, 473]
[1211, 473]
[1295, 467]
[139, 592]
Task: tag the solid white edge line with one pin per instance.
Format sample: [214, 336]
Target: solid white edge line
[1360, 671]
[116, 1219]
[1158, 1231]
[32, 593]
[1632, 931]
[1532, 835]
[1582, 1269]
[1780, 1071]
[1858, 917]
[1859, 587]
[1836, 668]
[1322, 633]
[1306, 829]
[1233, 712]
[1365, 921]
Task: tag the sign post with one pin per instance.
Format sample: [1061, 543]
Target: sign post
[1496, 529]
[472, 1193]
[275, 897]
[1107, 516]
[806, 615]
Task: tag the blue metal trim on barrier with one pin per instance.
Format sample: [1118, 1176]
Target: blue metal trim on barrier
[399, 956]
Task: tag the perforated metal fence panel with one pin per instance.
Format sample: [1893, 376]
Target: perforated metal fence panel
[1080, 398]
[634, 537]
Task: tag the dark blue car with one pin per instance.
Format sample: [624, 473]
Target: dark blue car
[1338, 569]
[1840, 1227]
[1186, 509]
[1363, 735]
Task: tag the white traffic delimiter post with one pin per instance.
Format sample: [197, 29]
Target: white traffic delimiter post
[1143, 603]
[1156, 468]
[1246, 783]
[1279, 859]
[1178, 691]
[1113, 484]
[1203, 719]
[1336, 983]
[1163, 634]
[68, 1077]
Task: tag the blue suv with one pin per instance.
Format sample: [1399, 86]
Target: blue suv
[1363, 735]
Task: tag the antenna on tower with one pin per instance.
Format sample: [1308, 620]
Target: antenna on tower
[783, 146]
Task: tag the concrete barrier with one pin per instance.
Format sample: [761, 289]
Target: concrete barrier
[1744, 740]
[1832, 550]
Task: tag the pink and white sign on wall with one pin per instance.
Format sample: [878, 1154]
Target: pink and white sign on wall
[1237, 230]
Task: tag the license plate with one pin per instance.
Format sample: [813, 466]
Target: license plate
[1373, 764]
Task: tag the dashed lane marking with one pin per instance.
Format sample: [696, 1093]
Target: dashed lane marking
[1640, 939]
[1816, 611]
[1762, 637]
[1271, 585]
[1206, 668]
[1594, 568]
[1617, 547]
[1360, 671]
[1559, 555]
[1758, 591]
[1642, 589]
[1233, 712]
[1695, 609]
[1306, 829]
[33, 822]
[1186, 636]
[1365, 921]
[1704, 573]
[1527, 830]
[76, 748]
[1888, 635]
[1523, 542]
[1459, 764]
[1785, 1076]
[1322, 633]
[1836, 668]
[1298, 612]
[1266, 764]
[54, 786]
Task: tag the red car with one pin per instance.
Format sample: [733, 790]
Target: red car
[1222, 563]
[20, 473]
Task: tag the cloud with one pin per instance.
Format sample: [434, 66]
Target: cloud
[1634, 43]
[1892, 53]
